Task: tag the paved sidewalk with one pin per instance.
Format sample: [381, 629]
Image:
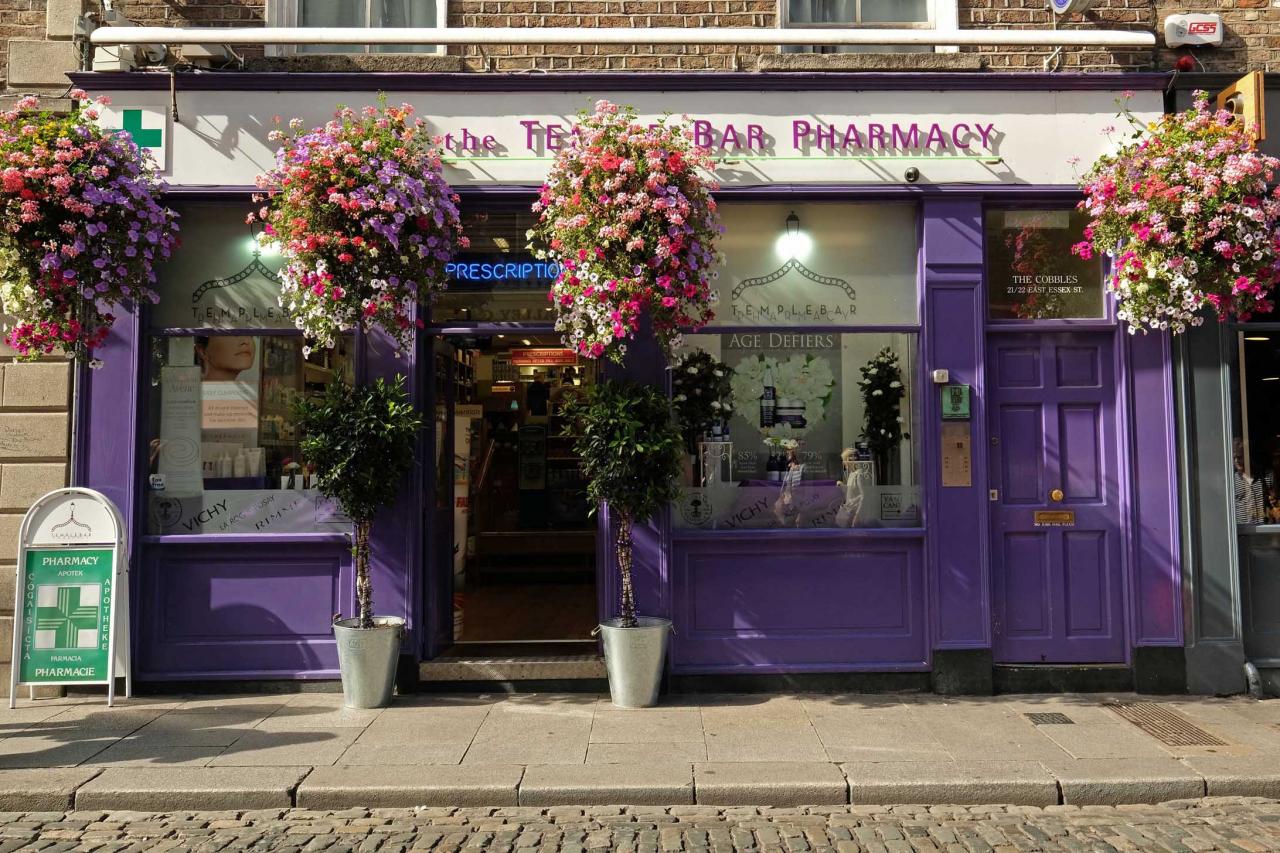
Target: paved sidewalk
[306, 750]
[1238, 825]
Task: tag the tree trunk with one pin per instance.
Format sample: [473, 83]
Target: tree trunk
[622, 548]
[364, 588]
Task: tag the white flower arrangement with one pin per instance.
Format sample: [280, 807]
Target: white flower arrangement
[806, 378]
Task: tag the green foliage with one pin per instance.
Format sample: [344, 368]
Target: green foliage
[630, 446]
[702, 392]
[882, 393]
[361, 440]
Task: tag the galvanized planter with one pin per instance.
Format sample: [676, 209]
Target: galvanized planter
[367, 658]
[634, 659]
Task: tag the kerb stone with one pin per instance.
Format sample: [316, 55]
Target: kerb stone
[774, 783]
[44, 790]
[191, 788]
[1105, 782]
[1023, 783]
[607, 784]
[399, 786]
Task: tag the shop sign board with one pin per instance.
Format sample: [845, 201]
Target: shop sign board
[955, 402]
[71, 602]
[757, 138]
[544, 357]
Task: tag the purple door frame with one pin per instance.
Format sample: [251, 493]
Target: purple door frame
[1054, 421]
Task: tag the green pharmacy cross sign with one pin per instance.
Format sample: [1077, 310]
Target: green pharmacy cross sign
[144, 137]
[72, 558]
[70, 616]
[66, 615]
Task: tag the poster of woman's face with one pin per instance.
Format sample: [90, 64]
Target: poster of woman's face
[222, 358]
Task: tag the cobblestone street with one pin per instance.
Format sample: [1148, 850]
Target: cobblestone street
[1227, 824]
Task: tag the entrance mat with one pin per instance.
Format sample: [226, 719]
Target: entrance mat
[1053, 718]
[1164, 724]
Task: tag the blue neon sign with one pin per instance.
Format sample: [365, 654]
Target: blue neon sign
[520, 271]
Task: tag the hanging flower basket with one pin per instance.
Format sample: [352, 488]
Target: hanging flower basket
[364, 220]
[83, 228]
[632, 223]
[1185, 211]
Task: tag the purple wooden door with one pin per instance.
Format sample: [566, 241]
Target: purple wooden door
[1058, 575]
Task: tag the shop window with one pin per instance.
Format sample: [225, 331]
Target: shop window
[821, 432]
[357, 13]
[823, 265]
[881, 14]
[1256, 439]
[498, 279]
[224, 452]
[1031, 272]
[225, 366]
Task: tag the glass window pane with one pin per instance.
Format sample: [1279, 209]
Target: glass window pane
[220, 279]
[822, 434]
[332, 13]
[895, 11]
[403, 13]
[817, 265]
[822, 12]
[497, 279]
[1256, 440]
[1031, 272]
[224, 452]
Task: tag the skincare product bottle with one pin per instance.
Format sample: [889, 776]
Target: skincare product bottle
[768, 399]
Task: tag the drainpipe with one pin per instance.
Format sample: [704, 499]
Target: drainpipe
[614, 35]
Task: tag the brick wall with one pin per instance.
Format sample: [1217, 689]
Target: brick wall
[1253, 36]
[34, 404]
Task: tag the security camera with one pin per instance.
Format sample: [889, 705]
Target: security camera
[912, 174]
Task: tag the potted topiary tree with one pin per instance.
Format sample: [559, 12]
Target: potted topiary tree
[631, 455]
[361, 440]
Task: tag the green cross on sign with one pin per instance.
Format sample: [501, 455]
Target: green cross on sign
[145, 138]
[67, 618]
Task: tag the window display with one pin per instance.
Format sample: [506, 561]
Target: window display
[224, 452]
[818, 431]
[817, 265]
[1031, 271]
[1255, 449]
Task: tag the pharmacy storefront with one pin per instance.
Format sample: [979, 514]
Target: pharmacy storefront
[897, 262]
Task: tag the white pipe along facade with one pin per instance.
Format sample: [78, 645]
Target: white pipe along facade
[116, 35]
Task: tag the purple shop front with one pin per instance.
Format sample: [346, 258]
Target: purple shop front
[906, 234]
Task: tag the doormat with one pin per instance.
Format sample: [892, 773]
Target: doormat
[1050, 719]
[1164, 724]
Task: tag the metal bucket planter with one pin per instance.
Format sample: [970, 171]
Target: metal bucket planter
[634, 659]
[367, 658]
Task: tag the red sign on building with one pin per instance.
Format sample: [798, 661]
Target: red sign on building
[544, 357]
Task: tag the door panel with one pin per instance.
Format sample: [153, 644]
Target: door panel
[1026, 600]
[1018, 367]
[1083, 563]
[1057, 578]
[1080, 471]
[1078, 367]
[1023, 457]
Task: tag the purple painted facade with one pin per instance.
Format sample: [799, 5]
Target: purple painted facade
[211, 607]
